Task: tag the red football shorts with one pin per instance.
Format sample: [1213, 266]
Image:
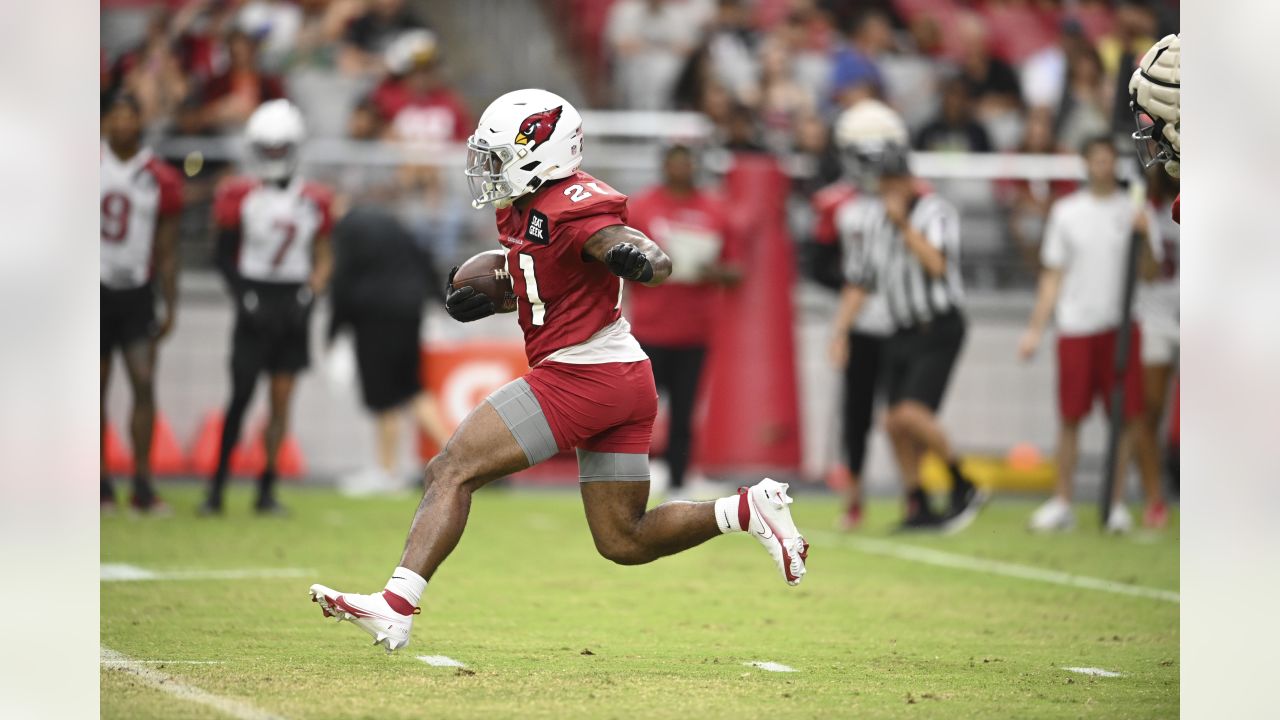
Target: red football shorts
[603, 408]
[1086, 369]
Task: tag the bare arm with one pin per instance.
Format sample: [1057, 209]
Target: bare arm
[1046, 299]
[166, 264]
[321, 263]
[606, 239]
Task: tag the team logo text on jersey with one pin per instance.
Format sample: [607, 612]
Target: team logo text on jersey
[536, 232]
[538, 127]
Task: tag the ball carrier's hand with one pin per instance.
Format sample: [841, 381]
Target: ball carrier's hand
[629, 254]
[465, 304]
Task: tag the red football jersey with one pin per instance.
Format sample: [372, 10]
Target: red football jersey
[563, 297]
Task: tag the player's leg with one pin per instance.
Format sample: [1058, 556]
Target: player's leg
[139, 362]
[107, 496]
[247, 361]
[1075, 395]
[280, 396]
[1157, 369]
[505, 434]
[859, 404]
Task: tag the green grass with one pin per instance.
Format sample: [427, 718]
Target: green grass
[525, 596]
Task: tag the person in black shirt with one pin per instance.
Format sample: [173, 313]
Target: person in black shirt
[954, 130]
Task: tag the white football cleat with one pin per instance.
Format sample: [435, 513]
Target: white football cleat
[370, 613]
[1055, 515]
[1119, 521]
[772, 525]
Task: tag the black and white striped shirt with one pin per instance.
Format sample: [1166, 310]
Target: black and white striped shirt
[886, 265]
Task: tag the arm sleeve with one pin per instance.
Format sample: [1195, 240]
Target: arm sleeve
[576, 233]
[1053, 250]
[170, 183]
[227, 250]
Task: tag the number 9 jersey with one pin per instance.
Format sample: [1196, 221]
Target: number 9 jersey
[134, 194]
[277, 224]
[564, 297]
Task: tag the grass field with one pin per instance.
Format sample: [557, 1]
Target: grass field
[546, 628]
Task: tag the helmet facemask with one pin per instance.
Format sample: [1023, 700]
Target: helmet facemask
[1154, 147]
[275, 163]
[486, 174]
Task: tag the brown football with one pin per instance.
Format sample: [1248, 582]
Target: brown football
[487, 273]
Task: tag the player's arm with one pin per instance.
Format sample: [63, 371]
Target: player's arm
[1046, 298]
[227, 249]
[166, 264]
[851, 299]
[629, 254]
[321, 263]
[897, 206]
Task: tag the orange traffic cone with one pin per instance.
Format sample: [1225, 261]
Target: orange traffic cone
[204, 451]
[167, 457]
[250, 455]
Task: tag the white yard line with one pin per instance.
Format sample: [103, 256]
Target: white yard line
[122, 572]
[770, 666]
[165, 682]
[440, 661]
[127, 661]
[915, 553]
[1096, 672]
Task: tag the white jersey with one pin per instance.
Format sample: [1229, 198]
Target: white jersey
[1087, 238]
[278, 226]
[134, 193]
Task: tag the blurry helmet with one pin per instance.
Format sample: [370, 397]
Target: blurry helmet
[873, 141]
[525, 138]
[274, 134]
[1154, 97]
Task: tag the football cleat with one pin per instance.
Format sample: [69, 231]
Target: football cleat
[1055, 515]
[371, 613]
[771, 524]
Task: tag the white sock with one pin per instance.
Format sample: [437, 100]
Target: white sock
[727, 513]
[407, 584]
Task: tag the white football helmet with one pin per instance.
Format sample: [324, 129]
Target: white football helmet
[872, 139]
[274, 134]
[1154, 97]
[525, 138]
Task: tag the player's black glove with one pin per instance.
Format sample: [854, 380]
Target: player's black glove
[465, 304]
[627, 261]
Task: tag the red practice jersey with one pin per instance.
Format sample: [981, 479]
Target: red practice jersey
[563, 297]
[134, 194]
[692, 230]
[278, 225]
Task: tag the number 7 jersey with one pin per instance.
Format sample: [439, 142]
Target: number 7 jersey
[277, 224]
[564, 298]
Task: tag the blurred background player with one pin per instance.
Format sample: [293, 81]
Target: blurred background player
[379, 287]
[1084, 255]
[673, 321]
[863, 134]
[590, 387]
[273, 251]
[141, 197]
[908, 250]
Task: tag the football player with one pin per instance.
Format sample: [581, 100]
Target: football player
[591, 388]
[141, 197]
[273, 251]
[1154, 96]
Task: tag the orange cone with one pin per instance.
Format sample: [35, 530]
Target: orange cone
[204, 451]
[167, 457]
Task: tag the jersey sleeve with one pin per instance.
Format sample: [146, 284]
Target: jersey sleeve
[574, 221]
[1053, 249]
[227, 200]
[170, 183]
[322, 196]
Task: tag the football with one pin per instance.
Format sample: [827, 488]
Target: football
[487, 273]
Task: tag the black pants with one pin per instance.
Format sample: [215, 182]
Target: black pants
[918, 361]
[860, 378]
[677, 371]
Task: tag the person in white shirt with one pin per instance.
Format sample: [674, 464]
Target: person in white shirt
[1156, 307]
[1084, 256]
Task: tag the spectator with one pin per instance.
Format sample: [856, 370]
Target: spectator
[732, 44]
[371, 33]
[954, 130]
[783, 104]
[277, 24]
[417, 102]
[673, 321]
[854, 74]
[1133, 33]
[151, 73]
[649, 41]
[990, 81]
[1084, 112]
[232, 96]
[380, 283]
[1029, 201]
[1085, 256]
[1156, 308]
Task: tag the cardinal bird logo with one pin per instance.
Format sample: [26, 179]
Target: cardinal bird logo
[537, 128]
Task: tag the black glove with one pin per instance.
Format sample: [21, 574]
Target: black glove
[465, 304]
[627, 261]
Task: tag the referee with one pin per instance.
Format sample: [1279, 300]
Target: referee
[906, 246]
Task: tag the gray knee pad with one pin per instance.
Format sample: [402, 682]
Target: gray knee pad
[519, 409]
[598, 466]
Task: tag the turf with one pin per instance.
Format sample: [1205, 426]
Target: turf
[549, 629]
